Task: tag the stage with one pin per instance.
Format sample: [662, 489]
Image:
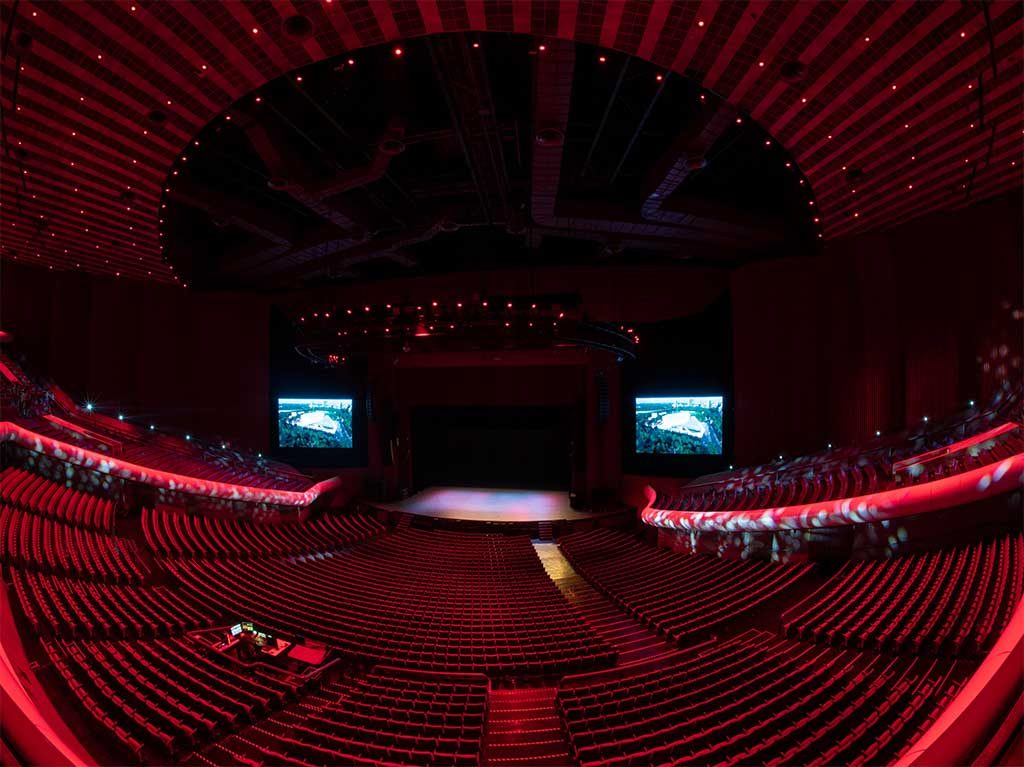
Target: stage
[482, 504]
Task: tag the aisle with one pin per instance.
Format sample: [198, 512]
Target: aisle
[631, 639]
[523, 727]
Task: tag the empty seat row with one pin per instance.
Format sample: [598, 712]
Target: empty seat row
[174, 532]
[386, 716]
[682, 595]
[34, 401]
[951, 601]
[165, 695]
[757, 699]
[69, 607]
[436, 600]
[40, 495]
[842, 474]
[32, 541]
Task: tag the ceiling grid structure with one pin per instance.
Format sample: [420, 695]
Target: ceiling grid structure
[891, 111]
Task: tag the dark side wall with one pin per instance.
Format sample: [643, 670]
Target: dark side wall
[878, 331]
[190, 361]
[873, 333]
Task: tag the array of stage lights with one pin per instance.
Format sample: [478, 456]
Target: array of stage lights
[332, 335]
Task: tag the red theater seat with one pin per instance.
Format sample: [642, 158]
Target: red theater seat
[442, 601]
[756, 699]
[954, 601]
[175, 532]
[386, 716]
[681, 595]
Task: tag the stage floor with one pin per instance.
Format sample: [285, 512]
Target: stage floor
[489, 504]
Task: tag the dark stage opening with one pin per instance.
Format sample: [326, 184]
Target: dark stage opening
[512, 447]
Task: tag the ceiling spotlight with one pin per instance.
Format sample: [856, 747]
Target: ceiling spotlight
[476, 45]
[120, 416]
[398, 51]
[926, 419]
[878, 433]
[152, 427]
[659, 78]
[351, 62]
[970, 403]
[188, 437]
[88, 406]
[602, 59]
[542, 48]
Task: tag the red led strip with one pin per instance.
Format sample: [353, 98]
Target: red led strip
[967, 487]
[105, 464]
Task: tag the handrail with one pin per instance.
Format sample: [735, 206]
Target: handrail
[180, 483]
[983, 699]
[956, 447]
[946, 492]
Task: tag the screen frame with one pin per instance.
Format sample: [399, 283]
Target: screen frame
[321, 457]
[335, 398]
[667, 464]
[648, 396]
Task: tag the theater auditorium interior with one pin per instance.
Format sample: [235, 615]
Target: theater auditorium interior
[511, 382]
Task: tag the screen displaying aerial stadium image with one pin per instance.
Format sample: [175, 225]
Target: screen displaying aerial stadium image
[679, 425]
[313, 423]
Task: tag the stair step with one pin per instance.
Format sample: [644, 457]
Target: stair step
[523, 727]
[633, 640]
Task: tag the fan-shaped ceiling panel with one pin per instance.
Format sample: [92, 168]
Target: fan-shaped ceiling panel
[889, 110]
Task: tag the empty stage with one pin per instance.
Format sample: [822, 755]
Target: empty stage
[490, 504]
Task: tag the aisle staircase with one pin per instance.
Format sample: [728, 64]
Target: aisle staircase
[523, 727]
[633, 640]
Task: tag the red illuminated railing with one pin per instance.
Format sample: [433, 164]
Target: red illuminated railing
[105, 464]
[958, 489]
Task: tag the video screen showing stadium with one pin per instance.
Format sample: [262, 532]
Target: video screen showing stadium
[680, 425]
[314, 423]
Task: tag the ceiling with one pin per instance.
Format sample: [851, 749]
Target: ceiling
[885, 112]
[444, 157]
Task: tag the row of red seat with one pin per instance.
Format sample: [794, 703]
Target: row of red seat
[175, 532]
[223, 465]
[164, 696]
[51, 546]
[69, 607]
[756, 699]
[789, 489]
[850, 473]
[383, 717]
[386, 716]
[45, 410]
[438, 600]
[681, 595]
[40, 495]
[952, 601]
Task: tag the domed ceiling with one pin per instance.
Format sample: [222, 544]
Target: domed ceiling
[502, 133]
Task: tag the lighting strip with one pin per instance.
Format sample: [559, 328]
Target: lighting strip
[966, 487]
[179, 483]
